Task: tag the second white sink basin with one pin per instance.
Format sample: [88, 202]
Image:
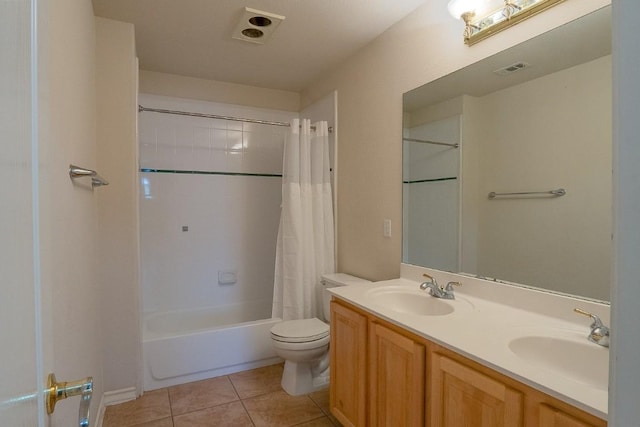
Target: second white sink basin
[414, 301]
[567, 354]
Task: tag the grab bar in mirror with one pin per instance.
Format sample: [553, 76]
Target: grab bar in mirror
[78, 172]
[424, 141]
[553, 193]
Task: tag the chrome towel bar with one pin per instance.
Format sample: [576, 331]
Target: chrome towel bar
[424, 141]
[553, 193]
[78, 172]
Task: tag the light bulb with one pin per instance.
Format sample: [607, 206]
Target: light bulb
[478, 7]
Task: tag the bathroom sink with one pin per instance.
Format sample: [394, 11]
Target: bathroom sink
[566, 354]
[413, 301]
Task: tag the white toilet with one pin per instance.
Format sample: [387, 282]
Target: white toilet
[304, 344]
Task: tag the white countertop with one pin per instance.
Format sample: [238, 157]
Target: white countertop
[487, 317]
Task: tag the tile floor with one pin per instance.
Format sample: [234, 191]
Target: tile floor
[249, 398]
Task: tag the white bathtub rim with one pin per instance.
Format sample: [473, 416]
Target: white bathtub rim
[152, 334]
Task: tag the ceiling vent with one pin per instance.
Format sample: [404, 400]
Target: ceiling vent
[509, 69]
[256, 26]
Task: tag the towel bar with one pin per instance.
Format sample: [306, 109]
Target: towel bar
[78, 172]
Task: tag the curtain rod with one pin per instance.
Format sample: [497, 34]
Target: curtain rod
[216, 116]
[424, 141]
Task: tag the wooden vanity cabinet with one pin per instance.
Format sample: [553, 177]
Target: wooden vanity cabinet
[397, 378]
[348, 374]
[383, 375]
[377, 371]
[462, 395]
[552, 417]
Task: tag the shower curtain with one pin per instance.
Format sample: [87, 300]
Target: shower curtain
[305, 248]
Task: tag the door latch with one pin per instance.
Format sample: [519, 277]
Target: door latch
[61, 390]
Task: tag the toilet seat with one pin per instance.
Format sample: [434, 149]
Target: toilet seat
[300, 347]
[300, 331]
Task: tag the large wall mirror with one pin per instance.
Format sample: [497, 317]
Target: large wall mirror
[535, 118]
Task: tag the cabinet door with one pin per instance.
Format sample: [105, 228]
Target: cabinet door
[397, 373]
[552, 417]
[348, 365]
[465, 397]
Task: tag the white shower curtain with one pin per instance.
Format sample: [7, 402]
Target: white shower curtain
[305, 247]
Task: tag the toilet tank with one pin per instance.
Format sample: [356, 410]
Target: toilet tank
[332, 280]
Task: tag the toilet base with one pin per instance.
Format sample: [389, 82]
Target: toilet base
[298, 378]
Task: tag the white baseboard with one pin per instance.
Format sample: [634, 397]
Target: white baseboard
[113, 398]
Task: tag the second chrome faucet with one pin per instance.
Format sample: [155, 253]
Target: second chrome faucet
[599, 332]
[444, 292]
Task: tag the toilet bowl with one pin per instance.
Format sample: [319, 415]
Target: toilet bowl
[304, 344]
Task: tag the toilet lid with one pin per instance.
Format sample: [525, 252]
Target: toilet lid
[300, 330]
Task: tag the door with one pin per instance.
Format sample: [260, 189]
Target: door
[348, 365]
[21, 388]
[25, 397]
[552, 417]
[464, 396]
[396, 372]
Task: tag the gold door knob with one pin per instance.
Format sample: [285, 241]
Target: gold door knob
[61, 390]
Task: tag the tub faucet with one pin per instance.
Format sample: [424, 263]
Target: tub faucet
[444, 292]
[599, 333]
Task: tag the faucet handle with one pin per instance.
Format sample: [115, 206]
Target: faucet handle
[599, 333]
[432, 280]
[596, 320]
[450, 285]
[430, 277]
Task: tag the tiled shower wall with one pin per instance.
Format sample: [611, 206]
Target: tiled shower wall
[431, 195]
[208, 238]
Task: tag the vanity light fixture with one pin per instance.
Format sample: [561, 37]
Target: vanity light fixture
[483, 18]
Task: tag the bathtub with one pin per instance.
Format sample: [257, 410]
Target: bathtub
[191, 345]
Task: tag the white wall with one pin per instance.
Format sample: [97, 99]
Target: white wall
[420, 48]
[68, 210]
[172, 85]
[232, 220]
[564, 143]
[117, 238]
[325, 109]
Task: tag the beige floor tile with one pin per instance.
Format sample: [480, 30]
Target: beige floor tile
[257, 381]
[201, 394]
[152, 406]
[278, 409]
[165, 422]
[322, 400]
[320, 422]
[229, 414]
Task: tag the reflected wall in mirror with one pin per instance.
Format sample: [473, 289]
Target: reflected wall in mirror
[535, 117]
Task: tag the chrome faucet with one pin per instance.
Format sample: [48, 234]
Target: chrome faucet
[599, 333]
[444, 292]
